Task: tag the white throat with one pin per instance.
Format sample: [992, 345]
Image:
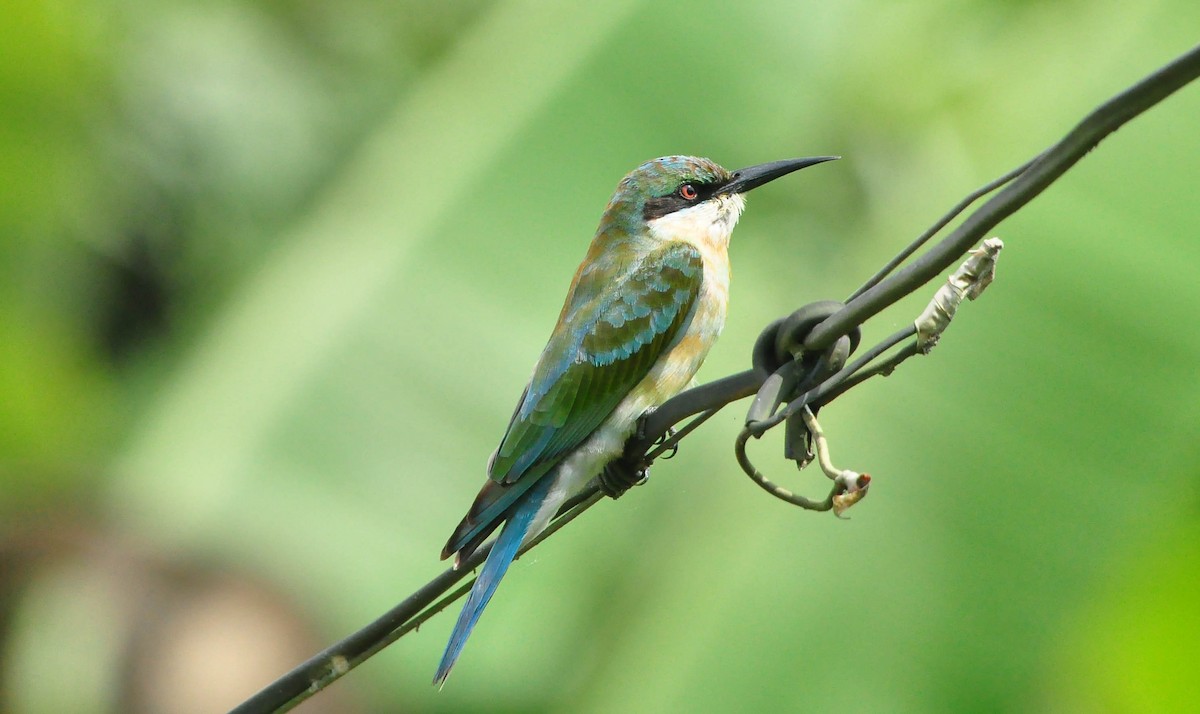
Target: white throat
[705, 225]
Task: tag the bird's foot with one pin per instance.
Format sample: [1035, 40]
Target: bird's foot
[671, 450]
[620, 475]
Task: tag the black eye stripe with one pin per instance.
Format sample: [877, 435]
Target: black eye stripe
[663, 205]
[660, 206]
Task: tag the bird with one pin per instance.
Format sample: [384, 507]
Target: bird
[644, 308]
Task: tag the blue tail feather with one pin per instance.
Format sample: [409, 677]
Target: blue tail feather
[502, 554]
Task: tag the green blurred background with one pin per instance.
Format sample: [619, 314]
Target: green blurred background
[273, 273]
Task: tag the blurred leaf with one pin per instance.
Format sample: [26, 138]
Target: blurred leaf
[1134, 646]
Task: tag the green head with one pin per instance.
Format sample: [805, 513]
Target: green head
[688, 193]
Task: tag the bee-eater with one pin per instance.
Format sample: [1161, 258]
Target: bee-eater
[645, 306]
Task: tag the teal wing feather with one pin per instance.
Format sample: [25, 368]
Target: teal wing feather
[600, 353]
[610, 336]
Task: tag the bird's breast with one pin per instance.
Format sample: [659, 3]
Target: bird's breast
[669, 375]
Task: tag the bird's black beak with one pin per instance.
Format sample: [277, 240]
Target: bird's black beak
[754, 176]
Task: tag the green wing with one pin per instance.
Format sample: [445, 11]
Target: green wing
[604, 347]
[617, 324]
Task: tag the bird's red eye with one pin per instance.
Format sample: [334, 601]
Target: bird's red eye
[688, 192]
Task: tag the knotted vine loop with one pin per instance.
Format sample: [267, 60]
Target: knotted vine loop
[790, 373]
